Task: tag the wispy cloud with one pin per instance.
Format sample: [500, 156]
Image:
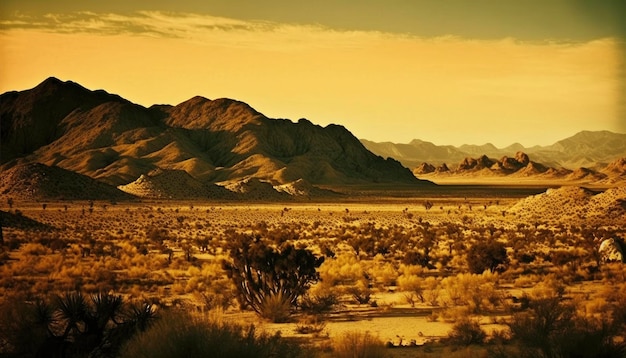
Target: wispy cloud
[201, 27]
[152, 23]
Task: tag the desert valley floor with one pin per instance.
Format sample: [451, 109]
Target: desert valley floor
[402, 267]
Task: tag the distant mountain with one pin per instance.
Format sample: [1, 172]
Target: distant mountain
[520, 167]
[416, 152]
[585, 149]
[108, 138]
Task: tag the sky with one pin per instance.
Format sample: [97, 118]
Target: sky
[446, 71]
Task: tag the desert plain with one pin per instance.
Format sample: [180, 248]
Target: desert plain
[402, 269]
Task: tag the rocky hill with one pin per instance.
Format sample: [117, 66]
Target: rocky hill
[108, 138]
[303, 189]
[173, 184]
[35, 181]
[574, 203]
[588, 149]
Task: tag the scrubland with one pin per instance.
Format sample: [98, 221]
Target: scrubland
[422, 277]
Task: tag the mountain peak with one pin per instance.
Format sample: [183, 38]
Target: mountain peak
[51, 81]
[219, 114]
[53, 86]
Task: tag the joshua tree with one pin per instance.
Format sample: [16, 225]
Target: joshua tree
[263, 273]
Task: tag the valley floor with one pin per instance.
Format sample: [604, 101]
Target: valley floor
[407, 254]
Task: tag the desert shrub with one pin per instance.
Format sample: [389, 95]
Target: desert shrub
[383, 273]
[343, 269]
[548, 287]
[318, 304]
[178, 334]
[413, 286]
[358, 345]
[551, 328]
[311, 324]
[263, 274]
[488, 255]
[361, 292]
[477, 292]
[431, 291]
[455, 314]
[467, 332]
[211, 284]
[275, 307]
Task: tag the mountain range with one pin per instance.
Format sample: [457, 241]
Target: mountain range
[593, 150]
[105, 137]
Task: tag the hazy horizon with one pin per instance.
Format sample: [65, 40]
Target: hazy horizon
[491, 72]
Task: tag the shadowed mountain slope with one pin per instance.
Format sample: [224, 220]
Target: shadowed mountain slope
[110, 139]
[31, 119]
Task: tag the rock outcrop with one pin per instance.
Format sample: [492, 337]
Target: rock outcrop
[611, 251]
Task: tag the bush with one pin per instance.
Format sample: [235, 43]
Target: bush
[361, 292]
[358, 345]
[311, 324]
[467, 332]
[551, 328]
[489, 255]
[178, 334]
[318, 304]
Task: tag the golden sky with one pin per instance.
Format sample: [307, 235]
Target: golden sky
[450, 75]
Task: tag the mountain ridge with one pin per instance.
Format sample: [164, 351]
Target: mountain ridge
[593, 149]
[113, 140]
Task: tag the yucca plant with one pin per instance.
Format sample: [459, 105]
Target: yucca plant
[71, 310]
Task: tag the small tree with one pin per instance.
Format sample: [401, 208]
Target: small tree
[488, 255]
[263, 273]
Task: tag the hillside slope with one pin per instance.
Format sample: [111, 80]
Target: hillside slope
[34, 181]
[115, 141]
